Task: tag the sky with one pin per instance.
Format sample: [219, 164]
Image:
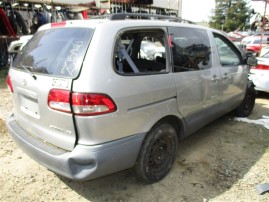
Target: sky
[200, 10]
[197, 10]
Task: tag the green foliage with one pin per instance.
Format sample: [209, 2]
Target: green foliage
[230, 15]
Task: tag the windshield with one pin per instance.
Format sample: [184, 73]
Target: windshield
[57, 52]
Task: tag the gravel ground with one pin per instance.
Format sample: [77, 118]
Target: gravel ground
[224, 161]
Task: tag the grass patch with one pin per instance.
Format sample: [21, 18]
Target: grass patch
[266, 150]
[3, 76]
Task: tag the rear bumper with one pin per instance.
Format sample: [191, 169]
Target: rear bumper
[83, 162]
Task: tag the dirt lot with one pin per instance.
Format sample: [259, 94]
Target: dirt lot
[222, 162]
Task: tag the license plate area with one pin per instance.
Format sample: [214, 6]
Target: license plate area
[29, 106]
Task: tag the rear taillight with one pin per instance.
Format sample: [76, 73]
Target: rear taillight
[92, 104]
[9, 83]
[59, 100]
[261, 67]
[83, 104]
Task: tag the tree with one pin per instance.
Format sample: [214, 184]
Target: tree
[230, 15]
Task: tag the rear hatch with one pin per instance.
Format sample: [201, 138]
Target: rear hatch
[41, 79]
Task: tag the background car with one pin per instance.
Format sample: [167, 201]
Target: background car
[254, 44]
[259, 74]
[16, 46]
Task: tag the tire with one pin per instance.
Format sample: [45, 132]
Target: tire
[248, 103]
[157, 153]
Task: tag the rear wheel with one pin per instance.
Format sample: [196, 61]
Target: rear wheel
[248, 103]
[157, 154]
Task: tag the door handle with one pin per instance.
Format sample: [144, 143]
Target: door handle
[215, 78]
[226, 76]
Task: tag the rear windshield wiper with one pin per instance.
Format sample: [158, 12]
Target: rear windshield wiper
[26, 68]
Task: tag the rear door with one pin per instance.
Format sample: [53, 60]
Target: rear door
[196, 77]
[42, 76]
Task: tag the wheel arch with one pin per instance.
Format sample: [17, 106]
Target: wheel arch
[176, 122]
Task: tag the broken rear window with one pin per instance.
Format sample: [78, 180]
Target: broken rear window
[57, 52]
[141, 51]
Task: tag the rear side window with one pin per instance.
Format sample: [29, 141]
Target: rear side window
[141, 51]
[191, 49]
[56, 52]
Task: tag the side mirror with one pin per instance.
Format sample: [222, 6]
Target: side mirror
[252, 61]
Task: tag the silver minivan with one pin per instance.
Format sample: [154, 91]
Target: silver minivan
[91, 100]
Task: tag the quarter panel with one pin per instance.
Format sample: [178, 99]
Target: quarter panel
[141, 102]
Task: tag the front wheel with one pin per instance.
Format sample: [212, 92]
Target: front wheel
[248, 103]
[157, 154]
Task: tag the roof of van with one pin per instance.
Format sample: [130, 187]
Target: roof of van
[134, 19]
